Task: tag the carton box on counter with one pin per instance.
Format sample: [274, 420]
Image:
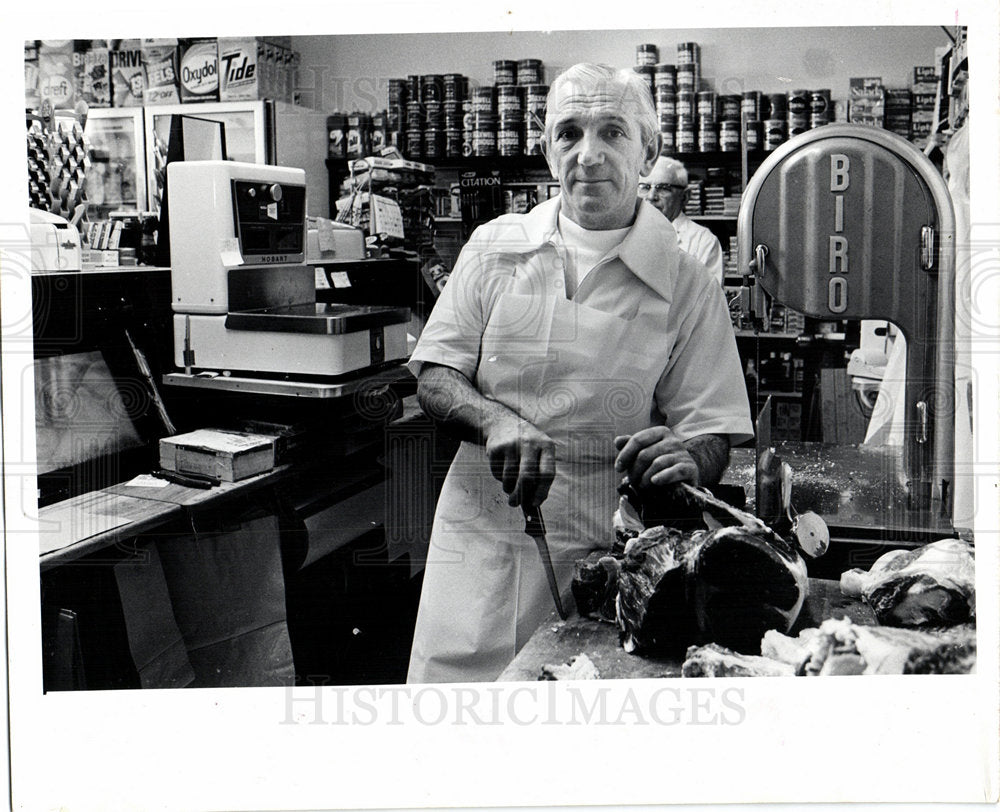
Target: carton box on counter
[226, 455]
[128, 79]
[159, 64]
[199, 70]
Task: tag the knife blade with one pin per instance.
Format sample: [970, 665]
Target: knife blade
[534, 526]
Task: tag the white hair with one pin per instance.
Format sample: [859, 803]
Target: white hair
[674, 167]
[628, 85]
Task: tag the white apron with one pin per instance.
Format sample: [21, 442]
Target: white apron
[582, 376]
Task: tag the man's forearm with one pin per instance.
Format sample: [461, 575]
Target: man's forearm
[450, 399]
[711, 454]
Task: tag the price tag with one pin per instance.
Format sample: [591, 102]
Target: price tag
[322, 283]
[340, 279]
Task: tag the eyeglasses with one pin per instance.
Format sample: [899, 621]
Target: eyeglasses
[661, 188]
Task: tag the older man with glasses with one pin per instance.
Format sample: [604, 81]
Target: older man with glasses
[666, 188]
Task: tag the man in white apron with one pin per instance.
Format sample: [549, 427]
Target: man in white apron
[572, 345]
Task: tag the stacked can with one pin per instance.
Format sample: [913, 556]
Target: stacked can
[534, 118]
[646, 54]
[752, 111]
[396, 113]
[414, 129]
[776, 123]
[798, 112]
[647, 72]
[688, 66]
[510, 119]
[708, 136]
[665, 98]
[504, 72]
[483, 120]
[454, 96]
[729, 107]
[529, 72]
[380, 133]
[820, 108]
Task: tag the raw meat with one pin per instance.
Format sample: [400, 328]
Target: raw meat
[595, 585]
[933, 585]
[843, 647]
[579, 667]
[715, 661]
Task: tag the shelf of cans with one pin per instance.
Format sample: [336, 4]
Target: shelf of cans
[693, 119]
[435, 116]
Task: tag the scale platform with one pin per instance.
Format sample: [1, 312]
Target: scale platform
[317, 318]
[362, 381]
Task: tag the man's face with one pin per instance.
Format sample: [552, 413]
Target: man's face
[664, 191]
[595, 150]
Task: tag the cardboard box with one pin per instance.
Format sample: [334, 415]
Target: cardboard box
[159, 64]
[227, 455]
[199, 70]
[32, 96]
[128, 80]
[239, 70]
[93, 76]
[56, 74]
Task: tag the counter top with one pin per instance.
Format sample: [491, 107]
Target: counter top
[556, 641]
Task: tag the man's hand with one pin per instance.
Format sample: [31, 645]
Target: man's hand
[655, 457]
[522, 457]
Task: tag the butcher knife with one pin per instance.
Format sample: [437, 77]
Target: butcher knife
[534, 526]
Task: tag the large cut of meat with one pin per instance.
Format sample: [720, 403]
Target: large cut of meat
[843, 647]
[726, 586]
[933, 585]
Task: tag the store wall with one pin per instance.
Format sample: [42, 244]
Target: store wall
[352, 72]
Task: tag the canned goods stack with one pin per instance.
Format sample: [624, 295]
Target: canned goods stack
[776, 123]
[336, 130]
[753, 110]
[534, 117]
[798, 112]
[820, 108]
[665, 99]
[689, 66]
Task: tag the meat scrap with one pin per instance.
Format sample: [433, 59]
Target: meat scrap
[839, 646]
[579, 666]
[933, 585]
[715, 661]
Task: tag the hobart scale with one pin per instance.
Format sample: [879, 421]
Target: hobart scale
[245, 311]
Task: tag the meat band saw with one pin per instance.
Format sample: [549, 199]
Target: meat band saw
[852, 222]
[245, 310]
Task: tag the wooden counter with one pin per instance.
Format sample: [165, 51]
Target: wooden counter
[557, 641]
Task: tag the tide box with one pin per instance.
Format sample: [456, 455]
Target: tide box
[128, 79]
[239, 69]
[227, 455]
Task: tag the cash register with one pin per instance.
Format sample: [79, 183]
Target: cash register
[245, 312]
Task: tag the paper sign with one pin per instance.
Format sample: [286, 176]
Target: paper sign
[229, 251]
[386, 216]
[147, 481]
[321, 281]
[340, 279]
